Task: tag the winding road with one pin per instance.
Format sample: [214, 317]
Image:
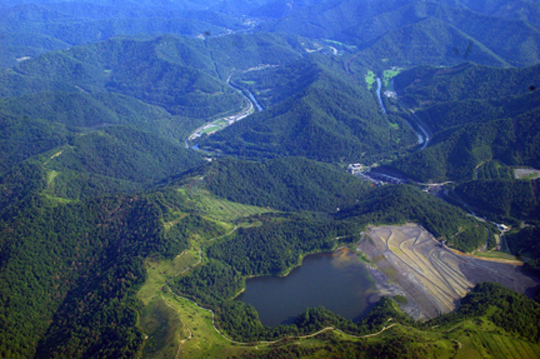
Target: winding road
[261, 342]
[253, 105]
[307, 336]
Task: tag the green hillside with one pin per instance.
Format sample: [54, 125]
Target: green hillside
[517, 199]
[430, 41]
[480, 114]
[444, 115]
[124, 236]
[467, 81]
[507, 39]
[447, 31]
[288, 184]
[331, 119]
[124, 154]
[59, 252]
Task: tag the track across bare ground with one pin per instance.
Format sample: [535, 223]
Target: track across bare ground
[432, 277]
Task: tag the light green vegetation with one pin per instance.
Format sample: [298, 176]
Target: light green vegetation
[58, 200]
[178, 216]
[221, 209]
[163, 330]
[480, 338]
[370, 79]
[51, 175]
[221, 122]
[362, 256]
[48, 192]
[210, 129]
[248, 82]
[204, 342]
[526, 173]
[158, 272]
[496, 254]
[401, 299]
[176, 327]
[394, 126]
[349, 47]
[388, 75]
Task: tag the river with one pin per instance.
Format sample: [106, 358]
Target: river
[379, 85]
[241, 90]
[338, 281]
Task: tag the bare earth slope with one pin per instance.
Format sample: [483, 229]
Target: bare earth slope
[409, 261]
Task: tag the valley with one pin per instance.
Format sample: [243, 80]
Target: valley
[219, 124]
[175, 179]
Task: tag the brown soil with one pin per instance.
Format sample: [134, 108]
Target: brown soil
[409, 261]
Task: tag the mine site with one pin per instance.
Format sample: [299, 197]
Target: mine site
[408, 261]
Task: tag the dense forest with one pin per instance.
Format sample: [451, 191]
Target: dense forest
[518, 199]
[500, 124]
[288, 184]
[56, 258]
[114, 219]
[328, 118]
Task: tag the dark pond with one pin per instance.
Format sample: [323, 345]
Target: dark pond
[338, 281]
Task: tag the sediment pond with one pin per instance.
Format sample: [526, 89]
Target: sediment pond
[338, 281]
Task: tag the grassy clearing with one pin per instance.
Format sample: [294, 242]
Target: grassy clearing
[526, 173]
[205, 342]
[158, 272]
[221, 122]
[496, 254]
[401, 299]
[59, 200]
[178, 217]
[480, 338]
[176, 327]
[531, 176]
[387, 76]
[210, 129]
[370, 79]
[51, 175]
[220, 209]
[225, 210]
[163, 329]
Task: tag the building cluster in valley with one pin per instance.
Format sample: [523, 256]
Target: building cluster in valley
[365, 173]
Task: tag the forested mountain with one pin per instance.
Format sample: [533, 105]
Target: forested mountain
[519, 199]
[381, 27]
[288, 184]
[478, 114]
[178, 74]
[60, 25]
[426, 84]
[327, 117]
[429, 41]
[154, 153]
